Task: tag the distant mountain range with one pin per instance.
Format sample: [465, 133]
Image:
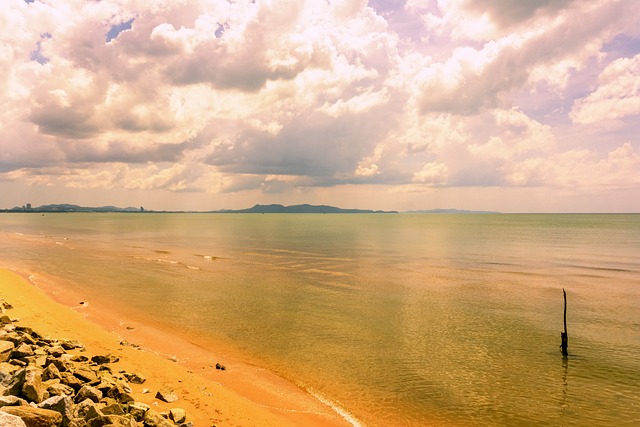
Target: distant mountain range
[450, 211]
[72, 208]
[300, 209]
[261, 209]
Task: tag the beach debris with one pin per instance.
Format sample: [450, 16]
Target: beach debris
[43, 383]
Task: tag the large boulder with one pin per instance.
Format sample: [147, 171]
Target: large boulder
[35, 417]
[154, 419]
[6, 348]
[32, 389]
[11, 383]
[23, 350]
[88, 392]
[178, 415]
[112, 420]
[61, 404]
[8, 420]
[167, 395]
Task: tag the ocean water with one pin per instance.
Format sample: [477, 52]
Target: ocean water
[399, 320]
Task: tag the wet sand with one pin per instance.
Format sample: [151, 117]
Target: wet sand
[241, 395]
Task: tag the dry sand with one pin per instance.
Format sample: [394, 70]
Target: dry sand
[241, 395]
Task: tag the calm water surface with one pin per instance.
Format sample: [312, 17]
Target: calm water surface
[399, 319]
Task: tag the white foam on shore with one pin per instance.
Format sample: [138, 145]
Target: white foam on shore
[348, 417]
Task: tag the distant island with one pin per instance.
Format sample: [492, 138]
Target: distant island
[322, 209]
[450, 211]
[70, 208]
[259, 209]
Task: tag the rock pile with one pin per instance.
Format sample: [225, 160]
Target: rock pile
[46, 382]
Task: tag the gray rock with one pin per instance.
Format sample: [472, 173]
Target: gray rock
[135, 378]
[11, 384]
[12, 401]
[62, 404]
[85, 374]
[167, 395]
[59, 389]
[88, 392]
[56, 351]
[112, 420]
[101, 360]
[154, 419]
[71, 381]
[32, 389]
[113, 409]
[8, 420]
[138, 410]
[178, 415]
[23, 350]
[51, 372]
[6, 348]
[93, 411]
[35, 417]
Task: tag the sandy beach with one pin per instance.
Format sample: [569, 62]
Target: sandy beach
[240, 395]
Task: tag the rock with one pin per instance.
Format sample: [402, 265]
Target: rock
[23, 350]
[113, 409]
[6, 305]
[32, 389]
[135, 378]
[112, 420]
[154, 419]
[35, 417]
[118, 393]
[59, 389]
[86, 375]
[8, 420]
[101, 360]
[178, 415]
[88, 392]
[6, 348]
[71, 344]
[56, 351]
[60, 364]
[51, 372]
[79, 358]
[138, 410]
[5, 320]
[11, 384]
[12, 401]
[93, 411]
[71, 381]
[61, 404]
[166, 395]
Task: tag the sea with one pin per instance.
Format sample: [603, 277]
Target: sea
[392, 319]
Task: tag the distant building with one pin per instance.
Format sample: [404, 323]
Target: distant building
[28, 206]
[141, 209]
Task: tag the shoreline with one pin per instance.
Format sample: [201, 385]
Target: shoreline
[242, 394]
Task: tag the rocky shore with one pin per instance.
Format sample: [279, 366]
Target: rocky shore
[50, 382]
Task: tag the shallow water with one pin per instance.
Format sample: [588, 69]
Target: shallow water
[398, 319]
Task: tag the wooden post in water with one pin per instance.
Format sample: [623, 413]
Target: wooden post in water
[563, 335]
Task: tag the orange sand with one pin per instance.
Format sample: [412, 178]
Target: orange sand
[242, 395]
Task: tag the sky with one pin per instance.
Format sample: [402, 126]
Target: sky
[505, 105]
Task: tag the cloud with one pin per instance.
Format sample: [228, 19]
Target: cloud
[291, 98]
[617, 96]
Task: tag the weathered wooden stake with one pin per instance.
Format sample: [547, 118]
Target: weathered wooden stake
[563, 335]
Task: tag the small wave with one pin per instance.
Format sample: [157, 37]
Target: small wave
[348, 417]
